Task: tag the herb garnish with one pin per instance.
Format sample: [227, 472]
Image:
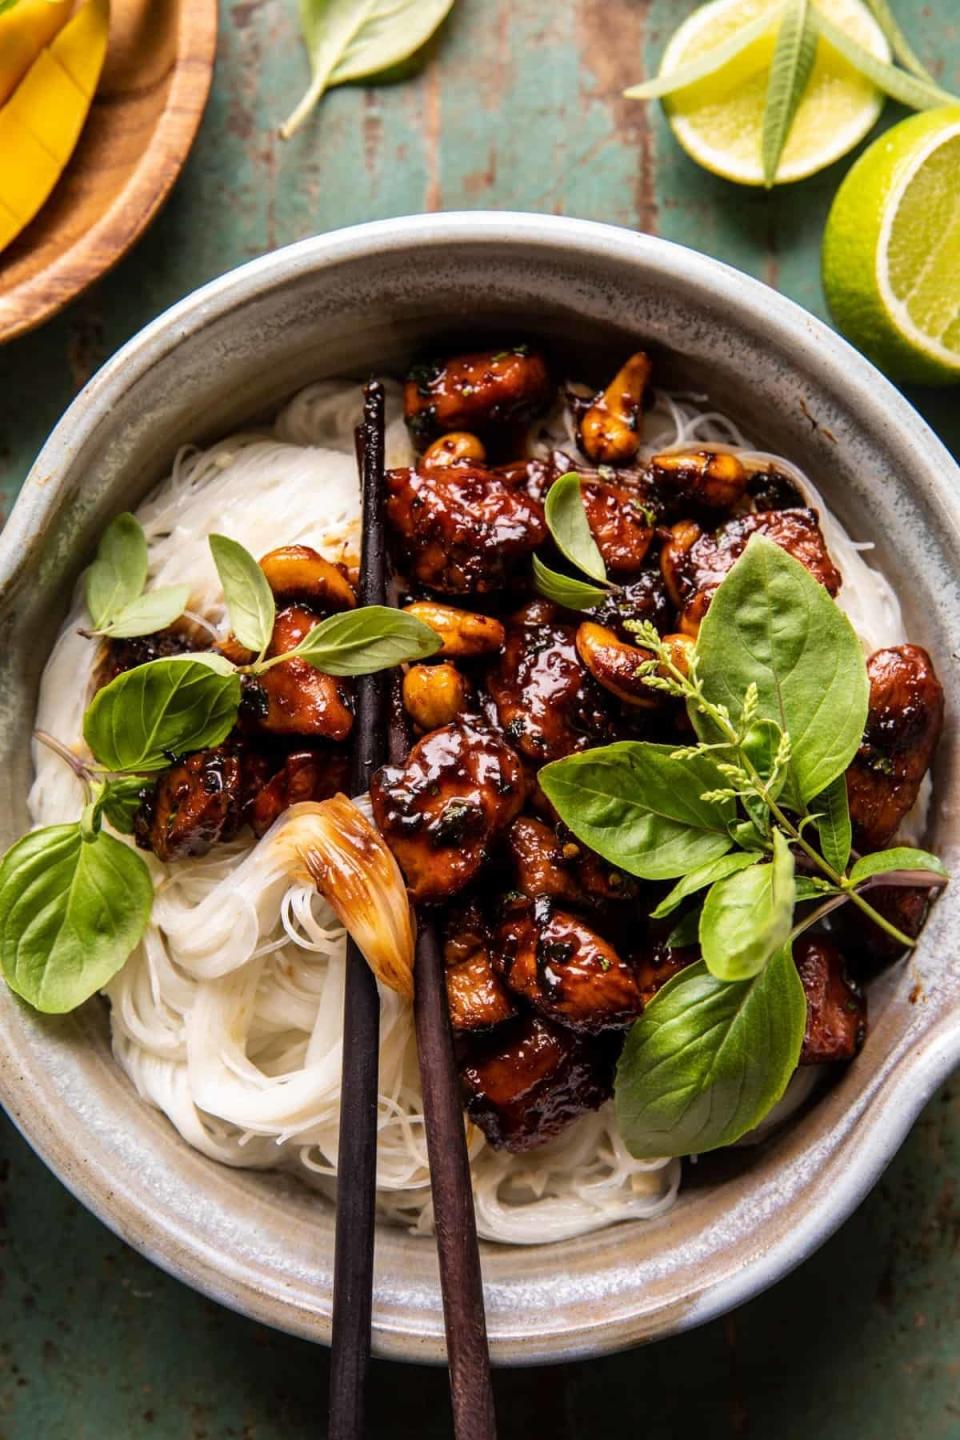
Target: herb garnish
[566, 518]
[350, 40]
[74, 900]
[777, 691]
[115, 583]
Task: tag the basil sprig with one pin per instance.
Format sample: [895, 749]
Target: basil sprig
[71, 911]
[247, 593]
[708, 1059]
[114, 586]
[566, 518]
[350, 40]
[777, 691]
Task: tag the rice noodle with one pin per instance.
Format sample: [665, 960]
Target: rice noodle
[228, 1017]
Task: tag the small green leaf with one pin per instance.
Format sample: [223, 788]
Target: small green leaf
[156, 711]
[709, 63]
[900, 858]
[747, 917]
[687, 929]
[119, 571]
[71, 911]
[148, 613]
[120, 801]
[641, 809]
[787, 81]
[911, 90]
[361, 642]
[566, 517]
[897, 41]
[771, 623]
[351, 40]
[247, 593]
[562, 590]
[700, 878]
[708, 1059]
[833, 824]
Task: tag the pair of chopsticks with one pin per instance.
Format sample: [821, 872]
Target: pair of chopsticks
[376, 735]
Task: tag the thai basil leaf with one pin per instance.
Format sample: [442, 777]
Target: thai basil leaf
[700, 878]
[747, 916]
[897, 41]
[119, 802]
[562, 590]
[708, 1059]
[566, 518]
[148, 613]
[360, 642]
[833, 824]
[247, 593]
[787, 80]
[709, 63]
[119, 571]
[357, 39]
[640, 808]
[911, 90]
[900, 858]
[71, 911]
[770, 622]
[156, 711]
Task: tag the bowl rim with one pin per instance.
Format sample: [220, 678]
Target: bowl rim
[879, 406]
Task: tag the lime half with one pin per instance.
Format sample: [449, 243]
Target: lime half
[891, 251]
[719, 121]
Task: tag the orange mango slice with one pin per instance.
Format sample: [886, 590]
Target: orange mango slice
[24, 31]
[42, 120]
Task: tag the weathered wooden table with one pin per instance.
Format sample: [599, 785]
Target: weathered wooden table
[520, 108]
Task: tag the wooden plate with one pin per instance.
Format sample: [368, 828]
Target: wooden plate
[139, 131]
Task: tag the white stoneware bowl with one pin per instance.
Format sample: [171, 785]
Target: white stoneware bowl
[365, 299]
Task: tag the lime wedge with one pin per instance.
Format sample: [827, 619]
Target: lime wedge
[891, 250]
[719, 121]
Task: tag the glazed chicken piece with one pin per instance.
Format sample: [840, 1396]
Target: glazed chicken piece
[531, 1080]
[836, 1007]
[644, 598]
[476, 996]
[478, 392]
[118, 656]
[200, 800]
[658, 963]
[694, 563]
[903, 726]
[871, 948]
[294, 698]
[621, 523]
[699, 479]
[535, 474]
[565, 970]
[564, 870]
[609, 429]
[461, 529]
[440, 810]
[547, 702]
[304, 775]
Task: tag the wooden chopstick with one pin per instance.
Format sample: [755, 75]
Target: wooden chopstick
[468, 1357]
[357, 1150]
[379, 729]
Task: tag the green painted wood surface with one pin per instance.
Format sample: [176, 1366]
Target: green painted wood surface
[519, 108]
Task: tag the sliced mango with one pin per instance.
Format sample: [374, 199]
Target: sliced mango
[41, 121]
[10, 225]
[24, 31]
[81, 45]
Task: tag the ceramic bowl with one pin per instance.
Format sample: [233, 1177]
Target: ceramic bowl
[367, 298]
